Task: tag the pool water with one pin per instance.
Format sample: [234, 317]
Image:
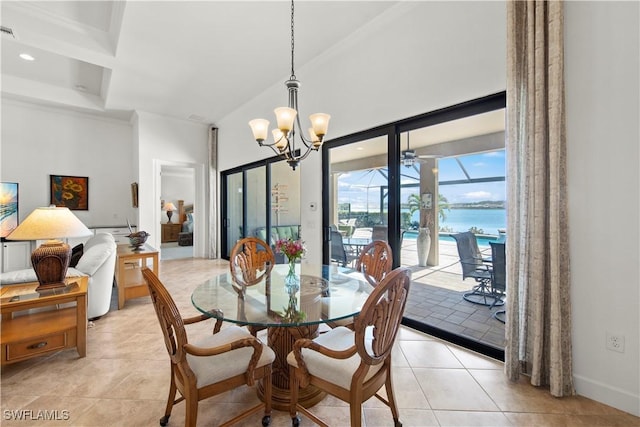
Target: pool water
[483, 240]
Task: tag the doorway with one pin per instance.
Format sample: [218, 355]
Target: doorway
[177, 200]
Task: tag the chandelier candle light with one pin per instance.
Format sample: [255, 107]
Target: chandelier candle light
[288, 121]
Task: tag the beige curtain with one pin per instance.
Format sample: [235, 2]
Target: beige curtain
[538, 330]
[211, 249]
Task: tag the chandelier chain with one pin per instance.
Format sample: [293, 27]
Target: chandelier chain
[293, 73]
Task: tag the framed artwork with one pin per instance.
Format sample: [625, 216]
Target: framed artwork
[426, 201]
[8, 208]
[70, 192]
[134, 194]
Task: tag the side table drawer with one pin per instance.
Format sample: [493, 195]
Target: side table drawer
[29, 348]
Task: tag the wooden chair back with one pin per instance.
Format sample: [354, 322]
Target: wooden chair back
[250, 261]
[171, 323]
[382, 312]
[375, 261]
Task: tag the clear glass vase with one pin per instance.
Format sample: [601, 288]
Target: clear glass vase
[292, 281]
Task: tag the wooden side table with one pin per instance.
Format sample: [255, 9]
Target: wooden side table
[26, 335]
[170, 232]
[129, 263]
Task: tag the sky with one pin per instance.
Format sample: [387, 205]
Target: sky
[362, 187]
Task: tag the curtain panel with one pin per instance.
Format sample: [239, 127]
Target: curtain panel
[211, 249]
[538, 330]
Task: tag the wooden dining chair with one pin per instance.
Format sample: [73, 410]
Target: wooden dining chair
[353, 365]
[251, 259]
[209, 365]
[375, 261]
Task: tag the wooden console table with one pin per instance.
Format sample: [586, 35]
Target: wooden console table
[129, 262]
[26, 335]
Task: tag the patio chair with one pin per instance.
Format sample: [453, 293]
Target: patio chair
[353, 365]
[338, 252]
[479, 269]
[209, 365]
[498, 274]
[379, 232]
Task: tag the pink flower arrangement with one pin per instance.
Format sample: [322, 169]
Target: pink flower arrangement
[293, 249]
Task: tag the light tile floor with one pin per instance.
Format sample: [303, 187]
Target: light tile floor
[124, 380]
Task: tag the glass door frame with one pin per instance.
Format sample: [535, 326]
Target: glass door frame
[393, 130]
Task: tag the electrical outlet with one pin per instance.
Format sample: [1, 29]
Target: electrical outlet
[615, 342]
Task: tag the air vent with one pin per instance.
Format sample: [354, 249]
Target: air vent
[6, 31]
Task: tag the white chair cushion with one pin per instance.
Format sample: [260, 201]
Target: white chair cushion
[335, 371]
[212, 369]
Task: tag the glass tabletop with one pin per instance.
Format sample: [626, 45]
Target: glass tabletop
[314, 294]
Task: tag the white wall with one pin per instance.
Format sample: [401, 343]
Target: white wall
[429, 55]
[602, 93]
[162, 141]
[38, 141]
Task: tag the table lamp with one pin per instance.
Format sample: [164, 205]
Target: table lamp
[169, 207]
[51, 260]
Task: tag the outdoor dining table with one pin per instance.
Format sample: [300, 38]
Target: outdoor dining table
[289, 306]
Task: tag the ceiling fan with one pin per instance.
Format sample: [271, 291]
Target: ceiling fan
[408, 157]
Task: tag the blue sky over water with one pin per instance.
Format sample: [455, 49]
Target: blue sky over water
[362, 188]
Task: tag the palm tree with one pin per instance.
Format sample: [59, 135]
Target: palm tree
[443, 204]
[414, 203]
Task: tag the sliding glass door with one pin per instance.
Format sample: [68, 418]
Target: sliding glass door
[425, 178]
[261, 199]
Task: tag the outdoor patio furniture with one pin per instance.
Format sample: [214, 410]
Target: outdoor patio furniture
[479, 269]
[339, 253]
[362, 233]
[498, 275]
[379, 233]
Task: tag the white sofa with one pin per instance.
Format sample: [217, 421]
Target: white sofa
[98, 261]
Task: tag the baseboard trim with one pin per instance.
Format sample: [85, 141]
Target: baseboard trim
[604, 393]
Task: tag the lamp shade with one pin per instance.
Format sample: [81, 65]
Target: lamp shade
[169, 207]
[49, 223]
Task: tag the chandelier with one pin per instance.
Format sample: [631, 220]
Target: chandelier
[284, 136]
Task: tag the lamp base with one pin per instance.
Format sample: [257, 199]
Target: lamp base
[169, 214]
[50, 262]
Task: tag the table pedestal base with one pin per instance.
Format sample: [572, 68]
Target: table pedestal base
[281, 340]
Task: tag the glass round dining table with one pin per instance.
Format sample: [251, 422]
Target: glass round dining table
[289, 306]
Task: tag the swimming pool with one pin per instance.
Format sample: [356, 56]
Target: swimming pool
[483, 239]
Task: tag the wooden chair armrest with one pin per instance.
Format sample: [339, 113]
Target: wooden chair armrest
[241, 343]
[213, 314]
[303, 371]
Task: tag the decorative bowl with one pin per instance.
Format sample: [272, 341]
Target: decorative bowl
[137, 239]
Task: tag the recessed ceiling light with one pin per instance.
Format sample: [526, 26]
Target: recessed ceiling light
[359, 148]
[27, 57]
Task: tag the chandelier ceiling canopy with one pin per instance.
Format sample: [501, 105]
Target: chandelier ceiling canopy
[288, 122]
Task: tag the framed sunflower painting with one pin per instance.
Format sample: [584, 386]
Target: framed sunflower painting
[70, 192]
